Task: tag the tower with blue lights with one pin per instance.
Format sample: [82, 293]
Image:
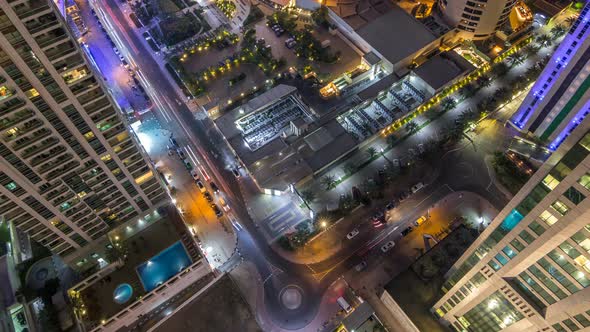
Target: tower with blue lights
[560, 99]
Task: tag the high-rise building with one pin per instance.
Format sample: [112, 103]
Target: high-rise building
[69, 168]
[475, 19]
[530, 269]
[560, 99]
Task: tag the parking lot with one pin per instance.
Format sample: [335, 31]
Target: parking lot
[349, 59]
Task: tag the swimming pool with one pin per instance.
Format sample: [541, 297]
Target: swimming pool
[163, 266]
[122, 293]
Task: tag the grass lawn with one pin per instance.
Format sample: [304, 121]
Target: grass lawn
[168, 7]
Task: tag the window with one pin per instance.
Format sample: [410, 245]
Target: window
[500, 258]
[537, 228]
[558, 327]
[585, 181]
[582, 320]
[517, 245]
[548, 218]
[11, 186]
[550, 181]
[494, 265]
[560, 207]
[509, 252]
[545, 280]
[571, 325]
[492, 314]
[526, 236]
[574, 195]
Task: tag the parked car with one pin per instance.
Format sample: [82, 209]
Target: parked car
[172, 140]
[201, 187]
[360, 266]
[195, 175]
[420, 221]
[116, 50]
[415, 188]
[214, 187]
[352, 234]
[387, 246]
[390, 206]
[208, 196]
[236, 172]
[223, 203]
[216, 210]
[180, 153]
[396, 162]
[407, 231]
[187, 164]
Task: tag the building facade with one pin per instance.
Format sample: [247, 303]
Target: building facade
[475, 19]
[560, 98]
[530, 269]
[70, 168]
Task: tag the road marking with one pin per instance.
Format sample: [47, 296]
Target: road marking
[190, 155]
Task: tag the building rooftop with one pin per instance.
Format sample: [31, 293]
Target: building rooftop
[220, 308]
[395, 34]
[442, 69]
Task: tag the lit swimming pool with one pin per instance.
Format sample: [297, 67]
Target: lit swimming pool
[122, 293]
[163, 266]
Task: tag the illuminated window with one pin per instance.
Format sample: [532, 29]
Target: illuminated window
[548, 218]
[560, 207]
[550, 181]
[4, 92]
[31, 93]
[143, 178]
[74, 75]
[585, 181]
[106, 157]
[11, 186]
[89, 135]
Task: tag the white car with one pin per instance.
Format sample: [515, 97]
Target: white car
[195, 175]
[417, 187]
[352, 234]
[386, 247]
[360, 266]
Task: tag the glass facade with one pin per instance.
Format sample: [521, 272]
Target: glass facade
[493, 314]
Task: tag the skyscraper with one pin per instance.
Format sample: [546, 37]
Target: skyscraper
[70, 169]
[475, 19]
[560, 99]
[530, 269]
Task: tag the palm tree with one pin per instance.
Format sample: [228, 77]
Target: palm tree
[544, 40]
[411, 127]
[500, 69]
[448, 103]
[468, 90]
[371, 152]
[350, 168]
[391, 140]
[484, 81]
[532, 72]
[558, 31]
[530, 50]
[571, 20]
[516, 59]
[328, 181]
[308, 196]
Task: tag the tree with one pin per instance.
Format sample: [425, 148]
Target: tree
[350, 168]
[558, 31]
[308, 196]
[501, 94]
[468, 90]
[372, 152]
[544, 40]
[328, 181]
[500, 69]
[484, 81]
[448, 103]
[571, 20]
[530, 50]
[411, 127]
[391, 140]
[516, 59]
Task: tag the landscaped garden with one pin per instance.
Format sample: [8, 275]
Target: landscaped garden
[227, 7]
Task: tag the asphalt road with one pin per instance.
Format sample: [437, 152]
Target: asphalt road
[276, 271]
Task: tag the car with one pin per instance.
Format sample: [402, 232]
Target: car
[352, 234]
[180, 153]
[170, 150]
[223, 203]
[420, 221]
[396, 162]
[415, 188]
[125, 63]
[360, 266]
[403, 195]
[390, 206]
[236, 172]
[214, 187]
[216, 210]
[378, 216]
[208, 196]
[187, 164]
[201, 187]
[172, 140]
[387, 246]
[116, 50]
[195, 175]
[407, 231]
[421, 148]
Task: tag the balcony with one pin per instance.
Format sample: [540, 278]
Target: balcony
[31, 8]
[11, 104]
[36, 136]
[52, 153]
[61, 170]
[54, 163]
[32, 150]
[90, 96]
[23, 129]
[15, 119]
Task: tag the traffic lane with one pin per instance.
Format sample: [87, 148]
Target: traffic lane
[151, 69]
